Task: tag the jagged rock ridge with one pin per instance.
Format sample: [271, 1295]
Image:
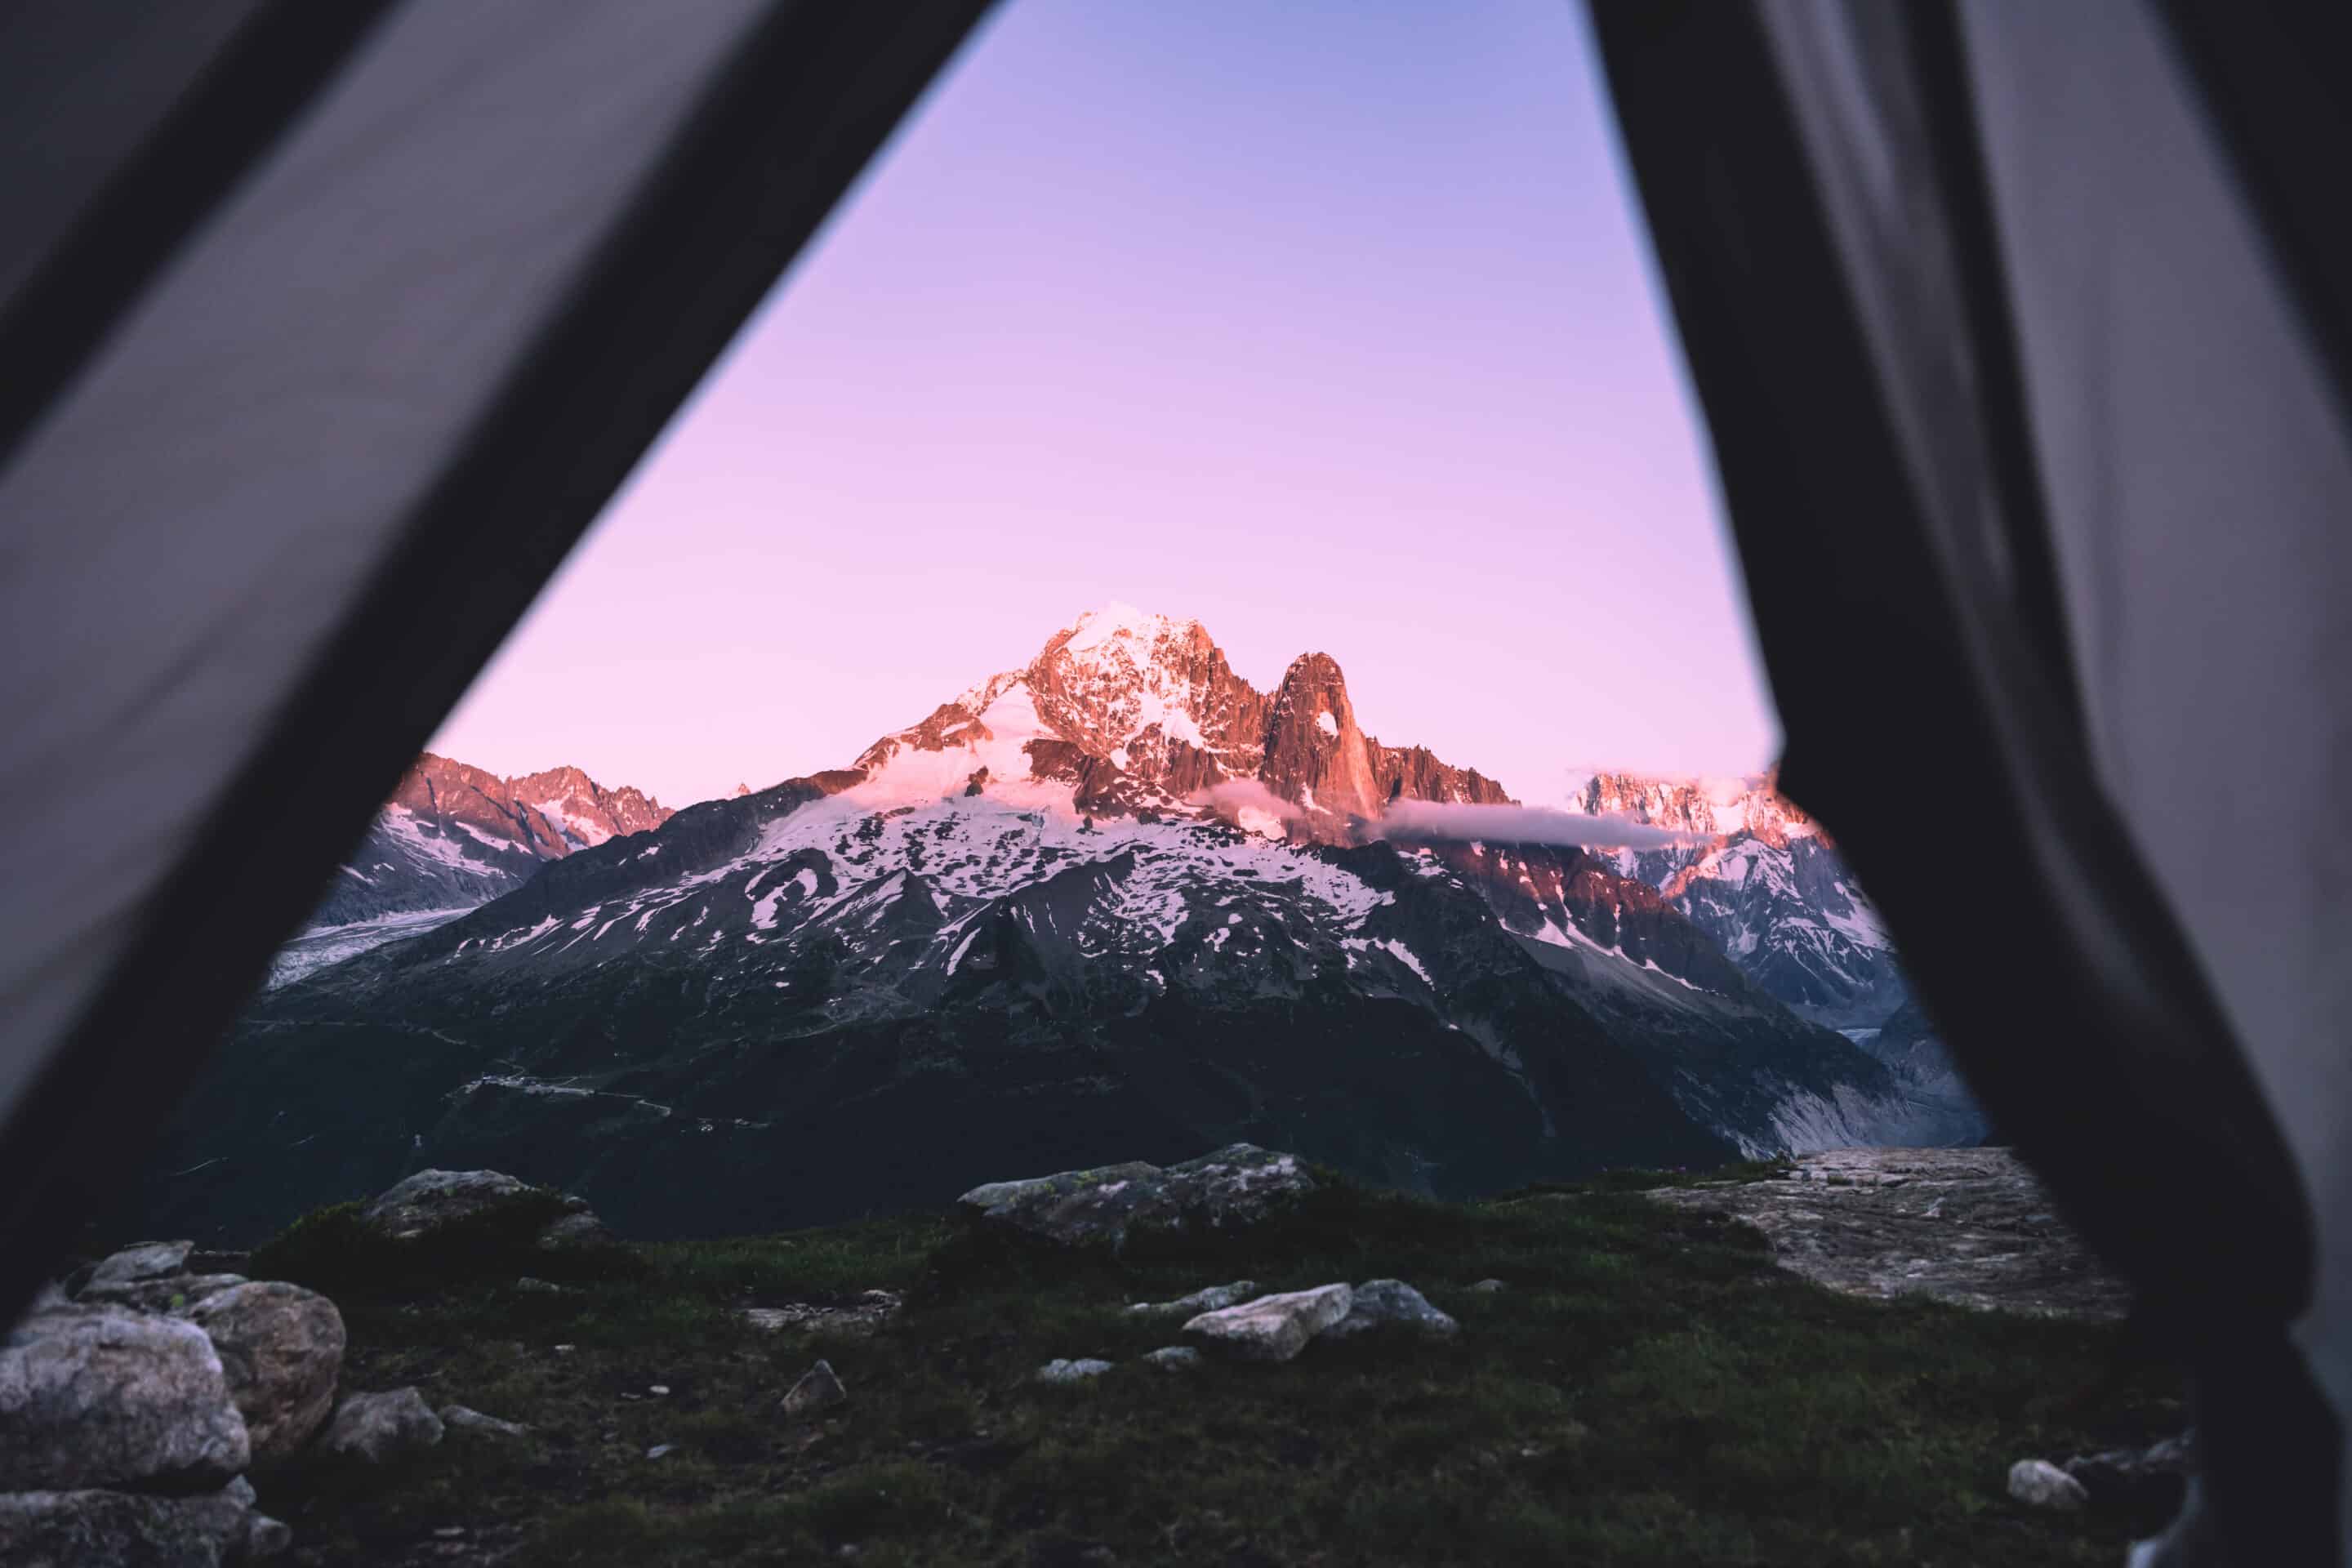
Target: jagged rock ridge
[1118, 904]
[1768, 885]
[451, 839]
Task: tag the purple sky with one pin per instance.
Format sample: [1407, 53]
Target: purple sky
[1329, 326]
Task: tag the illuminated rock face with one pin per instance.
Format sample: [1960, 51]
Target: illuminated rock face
[1115, 905]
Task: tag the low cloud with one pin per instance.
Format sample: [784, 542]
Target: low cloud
[1432, 821]
[1232, 796]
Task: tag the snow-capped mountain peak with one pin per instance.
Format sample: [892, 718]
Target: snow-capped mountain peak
[1125, 710]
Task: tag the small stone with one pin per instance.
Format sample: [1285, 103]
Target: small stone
[817, 1389]
[1391, 1304]
[265, 1537]
[1077, 1371]
[379, 1429]
[174, 1293]
[1272, 1328]
[1174, 1358]
[450, 1532]
[658, 1449]
[658, 1390]
[473, 1423]
[141, 1260]
[1488, 1288]
[533, 1286]
[1213, 1299]
[577, 1232]
[2038, 1483]
[564, 1350]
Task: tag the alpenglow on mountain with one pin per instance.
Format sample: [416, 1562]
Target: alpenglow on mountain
[453, 838]
[1117, 904]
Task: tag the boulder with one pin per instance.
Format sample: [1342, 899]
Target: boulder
[167, 1293]
[2038, 1483]
[1272, 1328]
[429, 1203]
[1391, 1304]
[378, 1429]
[1174, 1358]
[97, 1397]
[1205, 1300]
[141, 1260]
[473, 1423]
[1237, 1186]
[817, 1389]
[1079, 1371]
[281, 1348]
[93, 1528]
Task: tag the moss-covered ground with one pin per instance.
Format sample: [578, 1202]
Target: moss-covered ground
[1647, 1390]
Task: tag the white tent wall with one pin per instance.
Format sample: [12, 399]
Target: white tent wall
[322, 455]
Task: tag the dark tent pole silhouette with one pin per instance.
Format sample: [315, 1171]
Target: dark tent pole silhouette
[1939, 272]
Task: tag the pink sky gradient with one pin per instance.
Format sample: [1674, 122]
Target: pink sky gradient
[1332, 331]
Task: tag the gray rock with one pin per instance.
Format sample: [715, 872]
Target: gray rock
[473, 1423]
[1208, 1301]
[1174, 1358]
[1078, 1371]
[265, 1537]
[379, 1429]
[659, 1450]
[578, 1231]
[1235, 1187]
[169, 1293]
[1272, 1328]
[89, 1527]
[281, 1349]
[2038, 1483]
[869, 1312]
[1849, 1219]
[423, 1204]
[1488, 1288]
[1391, 1304]
[141, 1260]
[97, 1397]
[818, 1389]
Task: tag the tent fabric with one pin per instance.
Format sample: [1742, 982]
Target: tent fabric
[2023, 336]
[320, 459]
[132, 117]
[2010, 387]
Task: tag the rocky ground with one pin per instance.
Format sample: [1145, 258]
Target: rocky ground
[1237, 1360]
[1967, 1226]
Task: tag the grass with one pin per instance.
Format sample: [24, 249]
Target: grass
[1648, 1391]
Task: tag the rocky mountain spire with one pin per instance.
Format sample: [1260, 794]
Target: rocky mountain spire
[1315, 756]
[1132, 711]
